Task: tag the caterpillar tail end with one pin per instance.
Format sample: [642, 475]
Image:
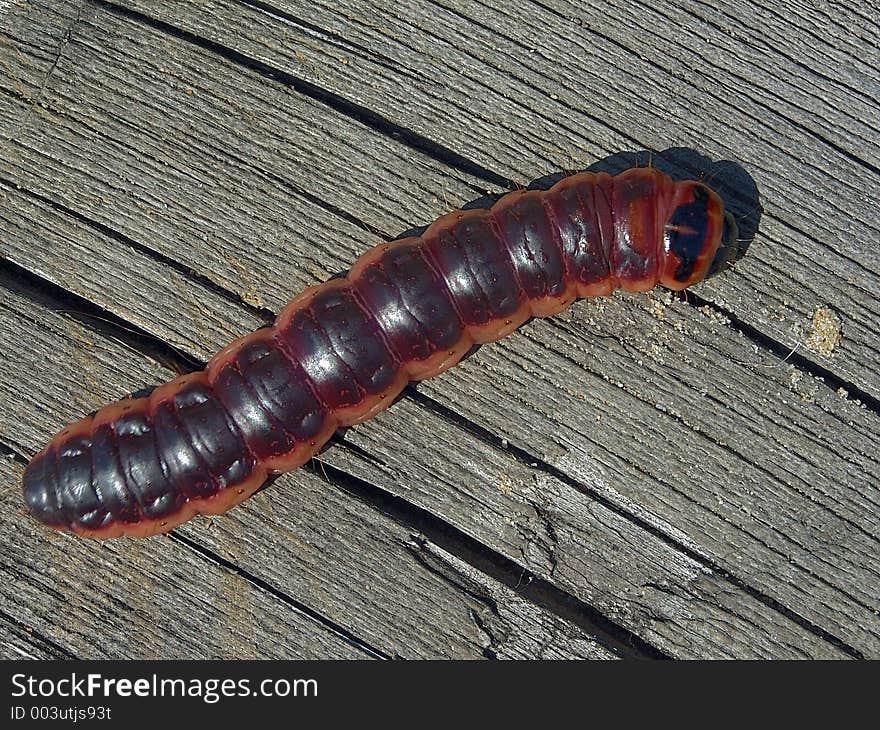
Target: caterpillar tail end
[39, 498]
[42, 502]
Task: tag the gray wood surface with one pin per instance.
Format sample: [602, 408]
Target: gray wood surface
[641, 476]
[294, 573]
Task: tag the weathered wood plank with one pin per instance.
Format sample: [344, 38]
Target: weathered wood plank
[774, 481]
[45, 28]
[154, 599]
[82, 259]
[510, 515]
[18, 641]
[304, 537]
[99, 151]
[583, 544]
[632, 577]
[561, 84]
[141, 107]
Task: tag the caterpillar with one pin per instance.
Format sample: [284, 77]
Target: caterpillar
[340, 352]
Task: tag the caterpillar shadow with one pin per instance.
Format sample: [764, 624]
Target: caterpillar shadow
[729, 179]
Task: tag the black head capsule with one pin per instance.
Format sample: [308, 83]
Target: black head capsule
[692, 234]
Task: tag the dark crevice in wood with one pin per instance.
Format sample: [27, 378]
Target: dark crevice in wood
[541, 592]
[536, 462]
[495, 629]
[94, 317]
[524, 583]
[261, 312]
[31, 632]
[359, 113]
[289, 601]
[811, 367]
[330, 37]
[13, 453]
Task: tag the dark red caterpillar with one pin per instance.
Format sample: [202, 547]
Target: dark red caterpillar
[340, 352]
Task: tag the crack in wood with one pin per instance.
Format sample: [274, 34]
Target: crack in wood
[355, 111]
[746, 334]
[289, 601]
[409, 514]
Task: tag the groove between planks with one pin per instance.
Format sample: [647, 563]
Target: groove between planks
[384, 574]
[841, 286]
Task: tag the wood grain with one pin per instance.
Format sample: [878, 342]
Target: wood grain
[234, 587]
[562, 84]
[653, 461]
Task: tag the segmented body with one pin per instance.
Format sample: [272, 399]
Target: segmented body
[340, 352]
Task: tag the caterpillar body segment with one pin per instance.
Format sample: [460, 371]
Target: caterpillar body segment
[340, 352]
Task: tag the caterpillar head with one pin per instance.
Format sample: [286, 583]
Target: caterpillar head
[698, 235]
